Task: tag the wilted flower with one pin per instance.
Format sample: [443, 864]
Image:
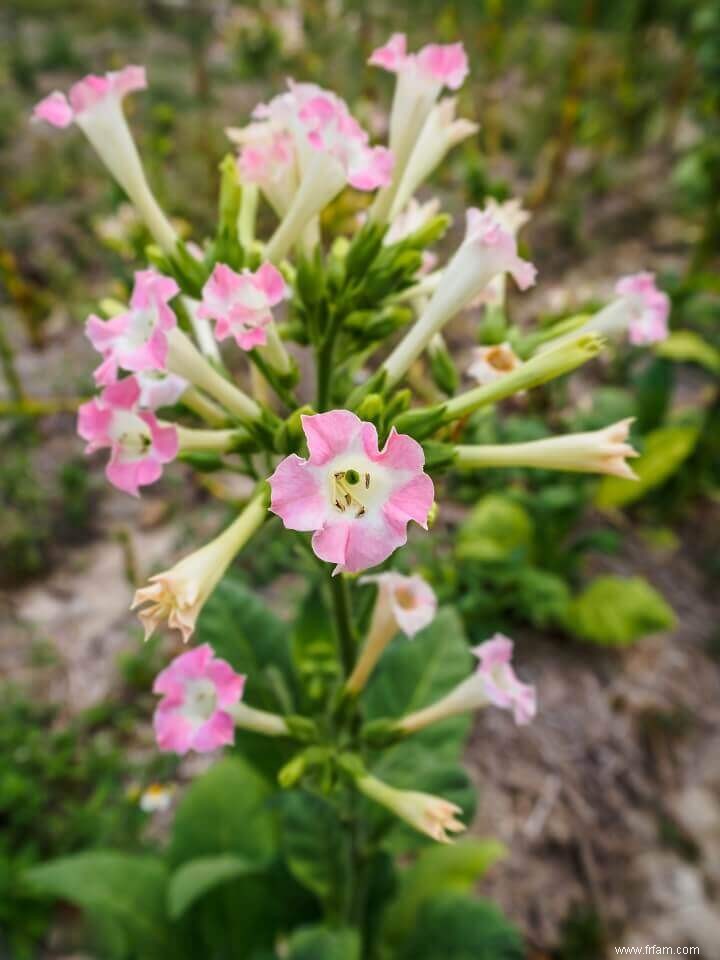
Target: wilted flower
[358, 499]
[403, 603]
[178, 595]
[494, 682]
[240, 303]
[95, 105]
[139, 445]
[136, 340]
[433, 816]
[490, 363]
[197, 691]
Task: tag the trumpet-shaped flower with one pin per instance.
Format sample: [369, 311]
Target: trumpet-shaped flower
[431, 815]
[198, 690]
[136, 340]
[440, 133]
[240, 303]
[650, 308]
[268, 158]
[357, 499]
[493, 682]
[95, 105]
[491, 363]
[179, 594]
[487, 251]
[139, 445]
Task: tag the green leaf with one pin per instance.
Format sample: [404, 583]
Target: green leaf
[195, 878]
[664, 451]
[315, 848]
[689, 347]
[497, 529]
[455, 927]
[125, 891]
[225, 812]
[438, 869]
[616, 611]
[321, 943]
[243, 631]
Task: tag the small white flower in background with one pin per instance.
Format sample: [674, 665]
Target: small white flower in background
[157, 798]
[491, 363]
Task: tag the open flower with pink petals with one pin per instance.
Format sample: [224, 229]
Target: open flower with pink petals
[357, 499]
[487, 252]
[240, 303]
[493, 682]
[420, 78]
[95, 105]
[268, 158]
[139, 445]
[198, 691]
[136, 340]
[158, 389]
[639, 308]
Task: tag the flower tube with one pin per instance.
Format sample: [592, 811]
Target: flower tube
[440, 133]
[486, 252]
[433, 816]
[403, 603]
[179, 594]
[95, 105]
[357, 499]
[420, 78]
[493, 683]
[598, 451]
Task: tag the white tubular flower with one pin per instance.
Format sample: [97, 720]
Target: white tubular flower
[491, 363]
[178, 595]
[433, 816]
[410, 219]
[487, 251]
[598, 451]
[440, 133]
[403, 603]
[640, 308]
[268, 158]
[512, 217]
[95, 105]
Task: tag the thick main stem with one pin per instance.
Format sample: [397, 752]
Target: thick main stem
[343, 621]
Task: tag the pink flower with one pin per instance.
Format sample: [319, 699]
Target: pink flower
[409, 602]
[484, 232]
[356, 498]
[159, 389]
[139, 445]
[442, 64]
[650, 308]
[137, 339]
[496, 678]
[240, 303]
[197, 691]
[60, 111]
[268, 158]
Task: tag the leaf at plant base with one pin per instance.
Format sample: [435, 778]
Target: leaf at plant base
[456, 927]
[437, 869]
[243, 631]
[315, 848]
[225, 811]
[689, 347]
[197, 877]
[497, 529]
[665, 450]
[125, 891]
[321, 943]
[616, 611]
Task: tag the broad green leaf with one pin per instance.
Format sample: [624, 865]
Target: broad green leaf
[225, 812]
[616, 611]
[321, 943]
[688, 346]
[456, 927]
[195, 878]
[315, 847]
[243, 631]
[496, 529]
[665, 450]
[437, 869]
[126, 892]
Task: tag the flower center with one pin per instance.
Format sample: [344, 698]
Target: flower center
[131, 434]
[404, 598]
[141, 328]
[348, 489]
[200, 701]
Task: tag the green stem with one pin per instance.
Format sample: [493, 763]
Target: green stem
[272, 378]
[343, 621]
[324, 361]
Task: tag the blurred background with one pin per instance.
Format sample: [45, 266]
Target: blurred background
[605, 119]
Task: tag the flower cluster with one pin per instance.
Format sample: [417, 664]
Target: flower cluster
[355, 458]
